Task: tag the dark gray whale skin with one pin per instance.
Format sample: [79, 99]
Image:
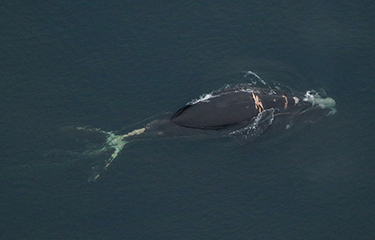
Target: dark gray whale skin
[232, 107]
[238, 111]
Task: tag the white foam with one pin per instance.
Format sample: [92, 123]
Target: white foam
[203, 98]
[317, 100]
[225, 90]
[247, 73]
[256, 128]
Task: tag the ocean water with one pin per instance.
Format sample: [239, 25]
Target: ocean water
[112, 64]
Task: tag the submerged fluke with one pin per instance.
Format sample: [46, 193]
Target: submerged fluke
[114, 143]
[244, 111]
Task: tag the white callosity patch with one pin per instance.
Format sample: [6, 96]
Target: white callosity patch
[296, 100]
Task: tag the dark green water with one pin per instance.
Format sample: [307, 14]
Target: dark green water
[112, 64]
